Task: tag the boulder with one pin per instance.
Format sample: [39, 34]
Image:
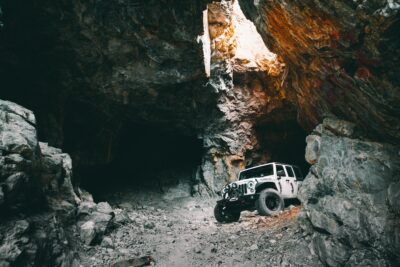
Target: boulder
[95, 220]
[88, 232]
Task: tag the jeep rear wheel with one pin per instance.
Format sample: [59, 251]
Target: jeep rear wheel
[269, 202]
[223, 215]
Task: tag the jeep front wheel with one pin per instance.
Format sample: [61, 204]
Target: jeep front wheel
[223, 215]
[269, 202]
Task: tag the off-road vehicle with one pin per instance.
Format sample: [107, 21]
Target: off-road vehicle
[263, 188]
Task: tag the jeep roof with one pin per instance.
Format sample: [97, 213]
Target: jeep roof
[297, 169]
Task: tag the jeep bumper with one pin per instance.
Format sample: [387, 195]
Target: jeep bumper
[239, 204]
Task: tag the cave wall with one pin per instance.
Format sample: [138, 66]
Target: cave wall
[350, 197]
[105, 65]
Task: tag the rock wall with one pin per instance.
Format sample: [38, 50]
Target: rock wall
[43, 220]
[350, 197]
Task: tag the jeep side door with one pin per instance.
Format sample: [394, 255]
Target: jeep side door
[283, 181]
[292, 181]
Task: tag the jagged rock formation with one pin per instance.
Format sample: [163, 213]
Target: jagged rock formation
[40, 211]
[349, 197]
[37, 200]
[243, 73]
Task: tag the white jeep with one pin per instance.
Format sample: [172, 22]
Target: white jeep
[263, 187]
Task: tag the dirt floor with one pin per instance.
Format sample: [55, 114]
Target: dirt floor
[183, 232]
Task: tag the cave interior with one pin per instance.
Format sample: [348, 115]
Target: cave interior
[147, 158]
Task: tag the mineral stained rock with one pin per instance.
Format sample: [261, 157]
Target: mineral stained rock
[348, 197]
[342, 57]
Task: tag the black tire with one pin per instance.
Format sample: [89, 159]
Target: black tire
[223, 215]
[269, 202]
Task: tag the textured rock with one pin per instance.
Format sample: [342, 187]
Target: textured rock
[19, 157]
[88, 232]
[37, 200]
[56, 180]
[350, 198]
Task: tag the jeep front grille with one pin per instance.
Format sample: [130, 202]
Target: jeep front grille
[243, 189]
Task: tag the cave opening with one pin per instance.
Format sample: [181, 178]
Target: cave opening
[147, 159]
[283, 142]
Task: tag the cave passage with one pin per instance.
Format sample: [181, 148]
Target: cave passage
[284, 142]
[147, 159]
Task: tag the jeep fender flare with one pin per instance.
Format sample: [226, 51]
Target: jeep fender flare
[273, 185]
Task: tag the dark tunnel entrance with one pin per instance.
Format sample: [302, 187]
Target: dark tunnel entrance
[147, 158]
[283, 142]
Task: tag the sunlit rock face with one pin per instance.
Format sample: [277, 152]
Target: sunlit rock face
[234, 37]
[244, 73]
[342, 59]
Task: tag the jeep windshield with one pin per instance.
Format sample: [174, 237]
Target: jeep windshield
[256, 172]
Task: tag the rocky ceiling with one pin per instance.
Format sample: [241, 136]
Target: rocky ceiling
[104, 64]
[342, 59]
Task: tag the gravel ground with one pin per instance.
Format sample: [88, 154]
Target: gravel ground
[183, 232]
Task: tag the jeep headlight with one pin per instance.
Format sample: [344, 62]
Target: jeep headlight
[251, 184]
[234, 185]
